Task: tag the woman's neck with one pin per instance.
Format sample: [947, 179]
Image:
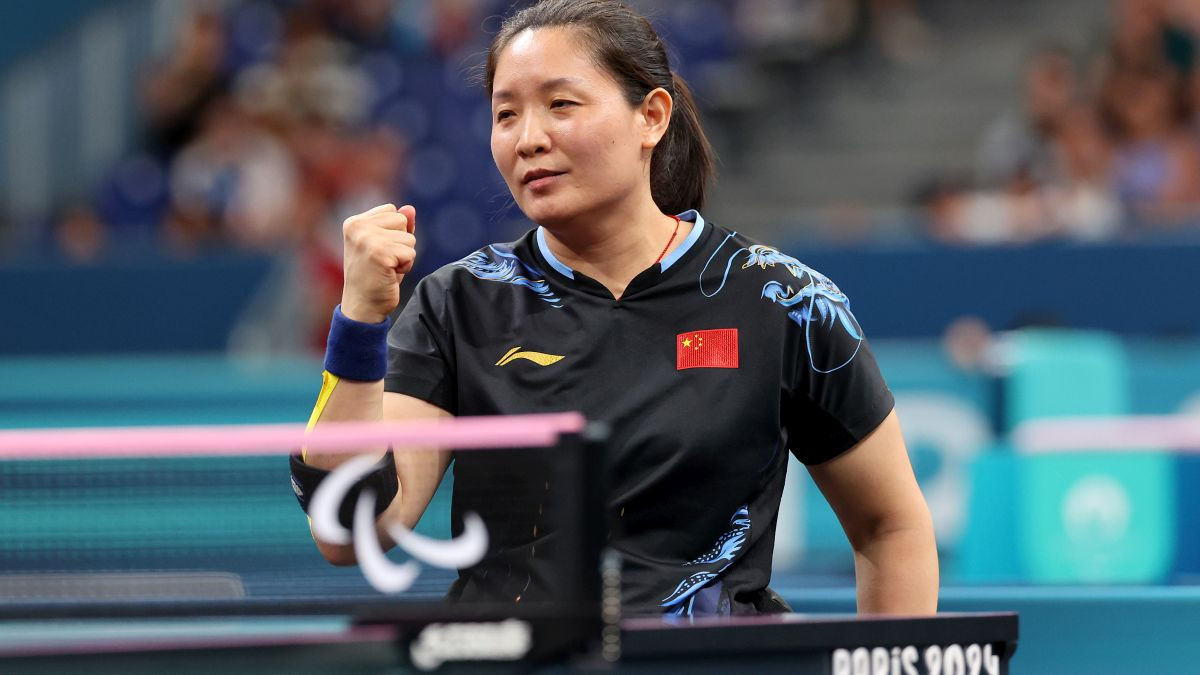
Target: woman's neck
[615, 247]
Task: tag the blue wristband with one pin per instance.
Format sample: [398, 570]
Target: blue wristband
[356, 350]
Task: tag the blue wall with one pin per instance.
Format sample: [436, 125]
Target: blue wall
[1142, 289]
[142, 305]
[161, 305]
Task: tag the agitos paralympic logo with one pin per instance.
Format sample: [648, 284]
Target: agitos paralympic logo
[385, 576]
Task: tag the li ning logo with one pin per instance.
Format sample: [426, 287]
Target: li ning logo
[537, 357]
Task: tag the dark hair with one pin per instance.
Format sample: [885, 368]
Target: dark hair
[623, 43]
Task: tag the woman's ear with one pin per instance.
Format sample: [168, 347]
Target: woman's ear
[655, 113]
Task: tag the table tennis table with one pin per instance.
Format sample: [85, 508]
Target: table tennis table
[379, 637]
[238, 628]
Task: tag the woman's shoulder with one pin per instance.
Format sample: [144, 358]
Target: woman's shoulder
[490, 262]
[750, 259]
[489, 272]
[791, 295]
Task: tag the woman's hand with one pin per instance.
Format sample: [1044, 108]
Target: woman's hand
[380, 248]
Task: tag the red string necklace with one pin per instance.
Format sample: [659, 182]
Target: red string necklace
[669, 241]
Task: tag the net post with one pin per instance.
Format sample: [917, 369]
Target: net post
[585, 514]
[586, 564]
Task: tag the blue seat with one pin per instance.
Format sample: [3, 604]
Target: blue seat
[1088, 517]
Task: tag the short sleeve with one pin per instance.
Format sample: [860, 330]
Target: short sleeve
[420, 349]
[837, 395]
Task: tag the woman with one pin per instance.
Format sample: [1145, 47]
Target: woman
[708, 354]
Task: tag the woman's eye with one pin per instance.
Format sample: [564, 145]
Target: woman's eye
[561, 104]
[503, 115]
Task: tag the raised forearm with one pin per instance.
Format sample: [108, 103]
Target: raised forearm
[419, 471]
[350, 401]
[379, 249]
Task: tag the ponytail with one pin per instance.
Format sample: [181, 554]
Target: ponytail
[683, 162]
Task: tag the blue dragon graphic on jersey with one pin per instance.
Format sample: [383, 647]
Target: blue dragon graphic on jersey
[818, 295]
[725, 548]
[504, 266]
[730, 542]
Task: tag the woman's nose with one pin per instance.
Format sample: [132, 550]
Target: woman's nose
[533, 139]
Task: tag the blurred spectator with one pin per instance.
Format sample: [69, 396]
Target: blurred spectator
[804, 29]
[234, 182]
[1080, 200]
[959, 215]
[1067, 193]
[1019, 141]
[939, 205]
[311, 78]
[80, 236]
[1022, 191]
[455, 25]
[1157, 161]
[176, 92]
[902, 34]
[1140, 31]
[363, 23]
[1075, 162]
[132, 200]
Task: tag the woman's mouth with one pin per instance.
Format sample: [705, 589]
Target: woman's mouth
[541, 179]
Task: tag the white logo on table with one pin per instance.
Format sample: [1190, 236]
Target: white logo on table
[949, 660]
[465, 550]
[439, 643]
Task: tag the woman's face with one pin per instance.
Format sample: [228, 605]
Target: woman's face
[563, 137]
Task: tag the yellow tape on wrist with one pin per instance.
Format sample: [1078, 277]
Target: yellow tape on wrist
[328, 382]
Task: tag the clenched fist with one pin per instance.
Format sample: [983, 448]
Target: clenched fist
[380, 248]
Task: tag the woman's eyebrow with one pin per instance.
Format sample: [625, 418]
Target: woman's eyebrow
[505, 94]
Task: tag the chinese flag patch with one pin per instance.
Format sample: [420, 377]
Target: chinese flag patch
[707, 349]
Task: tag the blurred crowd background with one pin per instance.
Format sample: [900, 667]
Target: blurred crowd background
[252, 125]
[196, 126]
[176, 129]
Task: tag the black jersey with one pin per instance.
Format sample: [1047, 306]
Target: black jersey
[708, 369]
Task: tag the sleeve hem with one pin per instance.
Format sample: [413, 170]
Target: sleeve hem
[854, 433]
[425, 390]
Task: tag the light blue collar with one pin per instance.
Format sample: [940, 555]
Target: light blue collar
[692, 216]
[554, 262]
